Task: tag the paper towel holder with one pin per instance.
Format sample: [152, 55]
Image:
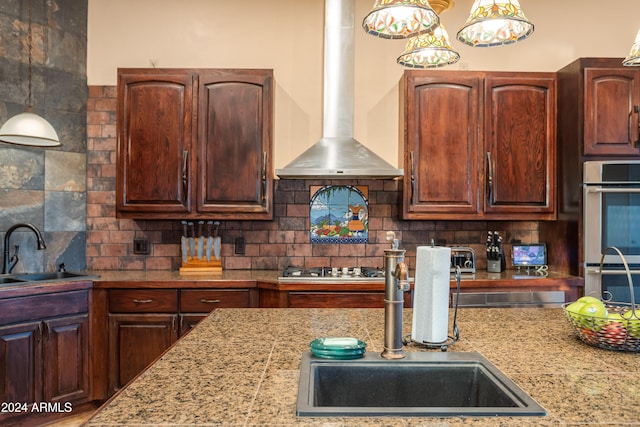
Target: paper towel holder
[455, 330]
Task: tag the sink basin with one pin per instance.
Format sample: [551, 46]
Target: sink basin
[4, 279]
[422, 384]
[52, 275]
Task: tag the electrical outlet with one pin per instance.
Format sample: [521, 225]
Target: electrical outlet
[141, 246]
[241, 246]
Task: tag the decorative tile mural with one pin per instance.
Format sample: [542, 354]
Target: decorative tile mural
[339, 214]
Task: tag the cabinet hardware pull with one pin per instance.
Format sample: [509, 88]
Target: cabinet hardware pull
[173, 324]
[264, 178]
[636, 109]
[490, 178]
[209, 301]
[39, 333]
[612, 190]
[142, 301]
[185, 156]
[413, 179]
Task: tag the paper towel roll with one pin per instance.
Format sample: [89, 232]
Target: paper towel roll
[431, 295]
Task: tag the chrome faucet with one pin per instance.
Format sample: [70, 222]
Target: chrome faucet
[10, 262]
[396, 283]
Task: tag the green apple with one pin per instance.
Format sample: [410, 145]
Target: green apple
[633, 322]
[594, 311]
[575, 306]
[587, 298]
[573, 310]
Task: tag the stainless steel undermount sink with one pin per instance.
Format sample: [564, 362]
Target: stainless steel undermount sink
[422, 384]
[4, 279]
[53, 276]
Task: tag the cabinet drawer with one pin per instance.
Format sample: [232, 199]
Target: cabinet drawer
[42, 306]
[143, 300]
[206, 300]
[336, 299]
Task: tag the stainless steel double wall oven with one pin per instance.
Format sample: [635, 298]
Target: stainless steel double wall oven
[611, 191]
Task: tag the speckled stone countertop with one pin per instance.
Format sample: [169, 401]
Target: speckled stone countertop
[240, 367]
[174, 278]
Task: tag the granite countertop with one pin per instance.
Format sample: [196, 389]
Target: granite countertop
[240, 367]
[111, 276]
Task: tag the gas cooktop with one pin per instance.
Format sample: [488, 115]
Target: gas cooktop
[322, 274]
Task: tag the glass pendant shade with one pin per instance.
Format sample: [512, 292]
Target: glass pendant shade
[633, 59]
[29, 129]
[495, 23]
[429, 50]
[400, 19]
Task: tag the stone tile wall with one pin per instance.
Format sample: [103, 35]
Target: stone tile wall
[45, 187]
[270, 244]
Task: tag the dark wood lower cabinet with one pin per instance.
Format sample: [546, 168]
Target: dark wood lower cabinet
[340, 299]
[136, 340]
[21, 362]
[189, 321]
[144, 322]
[66, 355]
[44, 354]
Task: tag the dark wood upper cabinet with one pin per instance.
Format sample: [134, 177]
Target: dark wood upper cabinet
[611, 111]
[155, 139]
[234, 157]
[520, 146]
[442, 168]
[598, 118]
[195, 143]
[478, 145]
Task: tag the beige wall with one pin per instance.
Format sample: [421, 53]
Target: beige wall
[286, 35]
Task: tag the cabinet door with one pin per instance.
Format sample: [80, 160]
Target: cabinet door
[66, 357]
[234, 143]
[612, 108]
[136, 340]
[519, 136]
[189, 321]
[154, 142]
[441, 146]
[21, 363]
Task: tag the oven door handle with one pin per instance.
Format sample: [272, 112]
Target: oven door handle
[612, 190]
[596, 270]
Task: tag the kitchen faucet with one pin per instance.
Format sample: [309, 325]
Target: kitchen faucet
[396, 283]
[10, 262]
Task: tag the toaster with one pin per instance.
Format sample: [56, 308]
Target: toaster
[463, 257]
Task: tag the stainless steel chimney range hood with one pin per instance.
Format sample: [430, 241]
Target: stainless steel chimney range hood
[337, 154]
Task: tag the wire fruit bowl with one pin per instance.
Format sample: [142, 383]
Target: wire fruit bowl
[619, 330]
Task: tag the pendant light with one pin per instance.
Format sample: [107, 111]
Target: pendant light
[29, 128]
[432, 49]
[495, 23]
[400, 19]
[633, 59]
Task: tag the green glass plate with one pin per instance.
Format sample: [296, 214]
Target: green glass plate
[338, 348]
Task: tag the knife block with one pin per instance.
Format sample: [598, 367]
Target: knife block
[195, 265]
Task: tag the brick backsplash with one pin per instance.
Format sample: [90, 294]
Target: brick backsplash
[271, 244]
